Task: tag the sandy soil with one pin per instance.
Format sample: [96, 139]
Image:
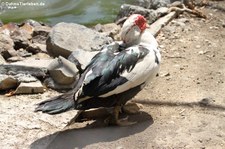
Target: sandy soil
[184, 107]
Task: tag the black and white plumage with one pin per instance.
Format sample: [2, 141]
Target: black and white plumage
[115, 74]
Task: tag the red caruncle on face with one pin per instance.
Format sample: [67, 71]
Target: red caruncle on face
[141, 22]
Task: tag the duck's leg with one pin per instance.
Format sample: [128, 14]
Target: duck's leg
[75, 118]
[114, 119]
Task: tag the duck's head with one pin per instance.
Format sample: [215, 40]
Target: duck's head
[132, 29]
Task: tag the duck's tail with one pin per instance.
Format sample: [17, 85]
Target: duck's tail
[58, 104]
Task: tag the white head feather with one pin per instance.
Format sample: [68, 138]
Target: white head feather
[132, 29]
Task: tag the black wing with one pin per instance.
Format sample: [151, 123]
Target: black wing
[105, 69]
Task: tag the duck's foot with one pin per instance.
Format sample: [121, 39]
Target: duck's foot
[114, 119]
[132, 108]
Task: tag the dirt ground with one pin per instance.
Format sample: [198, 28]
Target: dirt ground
[184, 107]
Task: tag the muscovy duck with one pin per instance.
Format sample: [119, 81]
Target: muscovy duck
[114, 75]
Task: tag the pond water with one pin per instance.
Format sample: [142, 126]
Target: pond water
[87, 12]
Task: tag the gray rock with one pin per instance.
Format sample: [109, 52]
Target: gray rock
[2, 60]
[12, 81]
[9, 28]
[6, 46]
[78, 57]
[7, 82]
[21, 38]
[11, 69]
[67, 37]
[32, 22]
[126, 10]
[15, 59]
[26, 78]
[36, 48]
[41, 30]
[26, 27]
[50, 83]
[23, 53]
[111, 29]
[29, 88]
[160, 23]
[35, 63]
[40, 34]
[63, 71]
[154, 4]
[33, 48]
[162, 11]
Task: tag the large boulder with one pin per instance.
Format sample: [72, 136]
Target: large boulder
[77, 57]
[154, 4]
[126, 10]
[67, 37]
[111, 29]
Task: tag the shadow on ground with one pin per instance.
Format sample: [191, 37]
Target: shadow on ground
[204, 103]
[93, 133]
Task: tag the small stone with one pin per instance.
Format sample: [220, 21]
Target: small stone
[25, 78]
[9, 28]
[63, 71]
[21, 38]
[213, 27]
[41, 47]
[162, 11]
[198, 46]
[32, 48]
[202, 52]
[206, 101]
[27, 27]
[32, 23]
[182, 68]
[36, 48]
[223, 25]
[178, 23]
[165, 74]
[41, 30]
[29, 88]
[183, 20]
[23, 53]
[15, 59]
[98, 28]
[7, 82]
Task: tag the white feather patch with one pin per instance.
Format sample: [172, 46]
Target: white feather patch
[143, 71]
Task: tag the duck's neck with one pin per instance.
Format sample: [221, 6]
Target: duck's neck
[147, 38]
